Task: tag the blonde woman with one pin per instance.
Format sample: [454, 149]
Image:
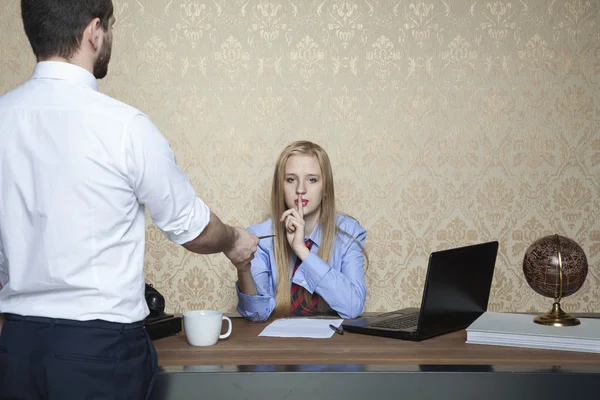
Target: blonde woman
[315, 263]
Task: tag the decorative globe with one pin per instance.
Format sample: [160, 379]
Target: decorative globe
[555, 266]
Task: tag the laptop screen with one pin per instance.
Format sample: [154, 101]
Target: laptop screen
[457, 288]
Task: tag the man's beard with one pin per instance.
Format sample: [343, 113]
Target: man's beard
[101, 64]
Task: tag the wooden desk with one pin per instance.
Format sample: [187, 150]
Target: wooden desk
[353, 366]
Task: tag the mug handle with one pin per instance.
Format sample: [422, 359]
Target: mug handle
[226, 334]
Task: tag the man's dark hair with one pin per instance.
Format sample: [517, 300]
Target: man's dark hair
[55, 27]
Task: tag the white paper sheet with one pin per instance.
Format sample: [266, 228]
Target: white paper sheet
[301, 328]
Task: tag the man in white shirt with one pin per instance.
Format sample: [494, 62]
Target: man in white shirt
[77, 171]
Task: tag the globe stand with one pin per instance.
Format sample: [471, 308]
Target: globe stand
[556, 317]
[547, 275]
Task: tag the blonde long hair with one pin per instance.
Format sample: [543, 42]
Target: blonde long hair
[327, 220]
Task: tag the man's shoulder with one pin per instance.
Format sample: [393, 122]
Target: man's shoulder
[9, 97]
[87, 100]
[115, 108]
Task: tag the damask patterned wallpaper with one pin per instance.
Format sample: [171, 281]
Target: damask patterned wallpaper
[448, 123]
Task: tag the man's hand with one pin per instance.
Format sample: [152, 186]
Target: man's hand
[243, 249]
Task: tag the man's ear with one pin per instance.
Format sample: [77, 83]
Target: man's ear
[92, 33]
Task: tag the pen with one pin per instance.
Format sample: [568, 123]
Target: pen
[264, 237]
[336, 329]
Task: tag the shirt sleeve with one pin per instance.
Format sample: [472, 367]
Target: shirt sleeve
[3, 271]
[342, 286]
[160, 185]
[259, 307]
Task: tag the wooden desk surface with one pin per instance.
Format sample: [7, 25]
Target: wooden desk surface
[245, 347]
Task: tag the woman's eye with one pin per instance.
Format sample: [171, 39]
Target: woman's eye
[313, 180]
[290, 180]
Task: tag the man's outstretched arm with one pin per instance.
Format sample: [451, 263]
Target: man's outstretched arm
[238, 244]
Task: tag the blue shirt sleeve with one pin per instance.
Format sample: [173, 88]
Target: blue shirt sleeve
[341, 284]
[259, 307]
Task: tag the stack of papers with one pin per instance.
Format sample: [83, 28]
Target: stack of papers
[519, 330]
[302, 327]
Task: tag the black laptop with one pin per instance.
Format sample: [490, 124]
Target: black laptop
[456, 293]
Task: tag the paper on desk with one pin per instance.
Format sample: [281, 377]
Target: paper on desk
[301, 327]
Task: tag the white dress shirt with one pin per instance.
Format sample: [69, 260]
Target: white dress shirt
[77, 169]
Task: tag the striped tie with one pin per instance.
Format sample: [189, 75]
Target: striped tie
[296, 308]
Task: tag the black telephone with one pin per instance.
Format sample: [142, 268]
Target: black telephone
[155, 301]
[159, 324]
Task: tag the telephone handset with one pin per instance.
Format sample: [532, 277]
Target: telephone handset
[159, 324]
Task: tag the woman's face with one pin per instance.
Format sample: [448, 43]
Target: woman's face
[303, 182]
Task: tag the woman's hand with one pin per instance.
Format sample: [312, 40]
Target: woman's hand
[293, 220]
[243, 266]
[246, 283]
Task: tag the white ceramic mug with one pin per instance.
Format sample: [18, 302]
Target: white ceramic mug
[203, 327]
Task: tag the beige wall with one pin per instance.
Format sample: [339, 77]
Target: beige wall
[448, 123]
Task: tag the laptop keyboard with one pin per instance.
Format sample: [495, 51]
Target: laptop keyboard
[401, 322]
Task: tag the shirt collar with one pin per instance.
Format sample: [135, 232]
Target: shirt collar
[64, 71]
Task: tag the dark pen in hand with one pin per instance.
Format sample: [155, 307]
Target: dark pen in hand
[336, 329]
[265, 237]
